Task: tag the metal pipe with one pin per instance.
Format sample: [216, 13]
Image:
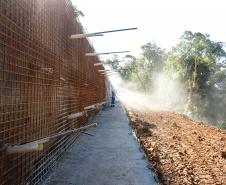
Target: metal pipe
[111, 74]
[72, 131]
[94, 106]
[98, 64]
[76, 115]
[37, 145]
[80, 36]
[91, 107]
[63, 79]
[106, 53]
[27, 147]
[108, 72]
[118, 30]
[101, 70]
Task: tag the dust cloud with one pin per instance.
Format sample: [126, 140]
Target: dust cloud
[165, 93]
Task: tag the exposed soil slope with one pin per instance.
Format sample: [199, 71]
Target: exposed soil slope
[181, 150]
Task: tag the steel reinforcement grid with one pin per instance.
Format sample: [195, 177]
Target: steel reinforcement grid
[44, 77]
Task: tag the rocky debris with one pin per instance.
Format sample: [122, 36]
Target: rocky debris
[181, 150]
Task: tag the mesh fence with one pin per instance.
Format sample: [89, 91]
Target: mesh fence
[44, 77]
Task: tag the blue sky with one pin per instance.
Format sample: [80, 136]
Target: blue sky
[162, 21]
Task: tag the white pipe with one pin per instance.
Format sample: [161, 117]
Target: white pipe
[98, 64]
[90, 107]
[76, 115]
[94, 105]
[28, 147]
[102, 103]
[106, 53]
[61, 78]
[80, 36]
[75, 36]
[103, 70]
[37, 145]
[91, 54]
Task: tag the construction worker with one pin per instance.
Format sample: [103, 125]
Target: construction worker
[112, 98]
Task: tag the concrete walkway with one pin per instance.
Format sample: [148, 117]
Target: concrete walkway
[111, 157]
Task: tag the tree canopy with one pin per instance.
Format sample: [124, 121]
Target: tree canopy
[199, 63]
[196, 61]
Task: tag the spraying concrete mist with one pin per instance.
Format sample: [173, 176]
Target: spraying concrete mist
[165, 94]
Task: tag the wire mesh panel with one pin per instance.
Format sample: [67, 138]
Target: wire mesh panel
[44, 77]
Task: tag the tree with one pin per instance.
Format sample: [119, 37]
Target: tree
[154, 56]
[140, 70]
[196, 61]
[113, 62]
[78, 12]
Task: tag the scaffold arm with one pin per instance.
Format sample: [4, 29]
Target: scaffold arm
[37, 145]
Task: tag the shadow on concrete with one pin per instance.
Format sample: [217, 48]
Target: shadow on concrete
[111, 157]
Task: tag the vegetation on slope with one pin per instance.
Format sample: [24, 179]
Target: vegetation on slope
[196, 61]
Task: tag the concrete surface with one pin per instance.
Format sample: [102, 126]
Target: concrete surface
[111, 157]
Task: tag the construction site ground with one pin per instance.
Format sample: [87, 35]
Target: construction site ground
[111, 157]
[181, 150]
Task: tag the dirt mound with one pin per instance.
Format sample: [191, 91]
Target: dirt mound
[182, 151]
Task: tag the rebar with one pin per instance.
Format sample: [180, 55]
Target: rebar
[42, 77]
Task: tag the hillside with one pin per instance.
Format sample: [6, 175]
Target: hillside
[181, 150]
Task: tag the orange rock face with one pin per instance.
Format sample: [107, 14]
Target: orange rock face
[181, 150]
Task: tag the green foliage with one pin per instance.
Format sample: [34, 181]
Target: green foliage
[140, 70]
[197, 62]
[78, 12]
[221, 124]
[154, 56]
[114, 63]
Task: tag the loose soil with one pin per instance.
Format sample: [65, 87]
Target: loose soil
[181, 151]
